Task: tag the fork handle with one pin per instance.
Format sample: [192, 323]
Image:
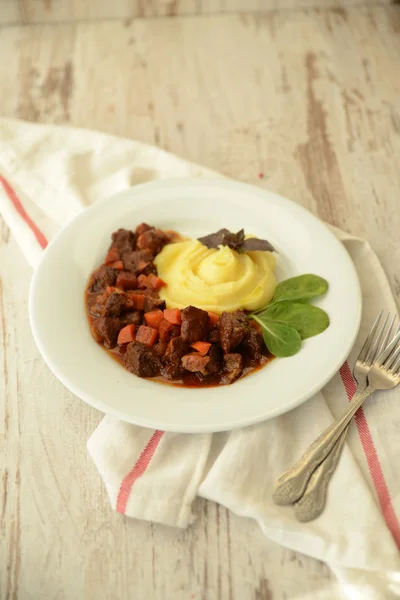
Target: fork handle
[312, 502]
[291, 484]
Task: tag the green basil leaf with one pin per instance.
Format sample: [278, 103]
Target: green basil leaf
[307, 319]
[300, 288]
[280, 340]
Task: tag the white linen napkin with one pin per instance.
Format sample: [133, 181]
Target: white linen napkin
[48, 174]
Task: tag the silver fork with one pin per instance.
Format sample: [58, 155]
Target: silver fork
[384, 374]
[312, 502]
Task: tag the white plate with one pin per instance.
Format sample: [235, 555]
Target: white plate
[193, 207]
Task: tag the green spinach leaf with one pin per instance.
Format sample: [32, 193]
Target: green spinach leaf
[280, 340]
[307, 319]
[300, 288]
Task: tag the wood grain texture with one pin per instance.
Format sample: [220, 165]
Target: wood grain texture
[307, 100]
[58, 11]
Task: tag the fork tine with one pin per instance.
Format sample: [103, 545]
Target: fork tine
[390, 360]
[387, 336]
[387, 352]
[378, 343]
[396, 367]
[375, 343]
[367, 344]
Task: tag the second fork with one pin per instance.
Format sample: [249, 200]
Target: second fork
[291, 485]
[312, 502]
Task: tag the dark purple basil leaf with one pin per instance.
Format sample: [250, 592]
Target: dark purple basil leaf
[223, 237]
[252, 244]
[235, 241]
[213, 240]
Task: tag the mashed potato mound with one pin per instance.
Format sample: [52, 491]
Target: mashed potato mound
[216, 280]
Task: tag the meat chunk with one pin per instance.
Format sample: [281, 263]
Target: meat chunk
[114, 305]
[94, 304]
[160, 348]
[107, 329]
[213, 336]
[215, 355]
[102, 298]
[124, 241]
[172, 362]
[153, 302]
[150, 268]
[233, 367]
[232, 329]
[142, 228]
[176, 348]
[96, 310]
[252, 347]
[195, 362]
[137, 261]
[101, 278]
[153, 240]
[167, 331]
[194, 324]
[133, 317]
[142, 360]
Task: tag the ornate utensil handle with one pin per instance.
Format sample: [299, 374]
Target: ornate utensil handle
[291, 484]
[312, 502]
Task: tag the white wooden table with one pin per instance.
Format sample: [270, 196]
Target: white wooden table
[303, 102]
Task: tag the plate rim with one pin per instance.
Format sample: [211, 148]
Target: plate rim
[148, 423]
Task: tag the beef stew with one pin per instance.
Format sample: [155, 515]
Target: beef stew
[189, 347]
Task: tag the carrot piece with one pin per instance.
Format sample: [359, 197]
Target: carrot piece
[138, 301]
[202, 347]
[126, 335]
[126, 280]
[112, 256]
[155, 282]
[165, 329]
[142, 264]
[135, 300]
[147, 335]
[173, 315]
[213, 318]
[142, 281]
[118, 264]
[154, 318]
[109, 289]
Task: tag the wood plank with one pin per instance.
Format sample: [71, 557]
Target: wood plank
[306, 99]
[59, 11]
[10, 13]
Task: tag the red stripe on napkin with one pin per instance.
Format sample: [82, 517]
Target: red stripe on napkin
[371, 455]
[137, 471]
[22, 212]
